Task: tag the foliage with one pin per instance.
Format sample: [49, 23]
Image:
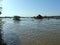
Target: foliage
[16, 17]
[0, 12]
[38, 17]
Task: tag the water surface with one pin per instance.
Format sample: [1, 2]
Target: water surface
[31, 31]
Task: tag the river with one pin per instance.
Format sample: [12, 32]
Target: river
[31, 31]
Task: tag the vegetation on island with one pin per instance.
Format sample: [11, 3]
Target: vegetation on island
[48, 17]
[17, 18]
[38, 17]
[54, 17]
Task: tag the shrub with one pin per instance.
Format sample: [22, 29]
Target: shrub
[0, 12]
[16, 18]
[38, 17]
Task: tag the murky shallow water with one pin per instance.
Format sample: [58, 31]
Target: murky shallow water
[30, 31]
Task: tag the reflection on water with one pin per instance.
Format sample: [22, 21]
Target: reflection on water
[30, 31]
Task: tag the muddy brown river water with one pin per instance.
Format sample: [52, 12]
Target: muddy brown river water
[30, 31]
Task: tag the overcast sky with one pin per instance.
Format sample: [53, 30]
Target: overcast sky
[30, 7]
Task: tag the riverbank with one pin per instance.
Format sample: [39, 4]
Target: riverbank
[54, 17]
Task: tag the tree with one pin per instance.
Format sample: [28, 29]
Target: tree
[0, 10]
[16, 18]
[39, 17]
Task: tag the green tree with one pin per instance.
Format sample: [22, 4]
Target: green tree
[0, 10]
[16, 18]
[39, 17]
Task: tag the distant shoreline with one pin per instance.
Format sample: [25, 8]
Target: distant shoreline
[58, 17]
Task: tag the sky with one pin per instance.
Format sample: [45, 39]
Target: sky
[30, 7]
